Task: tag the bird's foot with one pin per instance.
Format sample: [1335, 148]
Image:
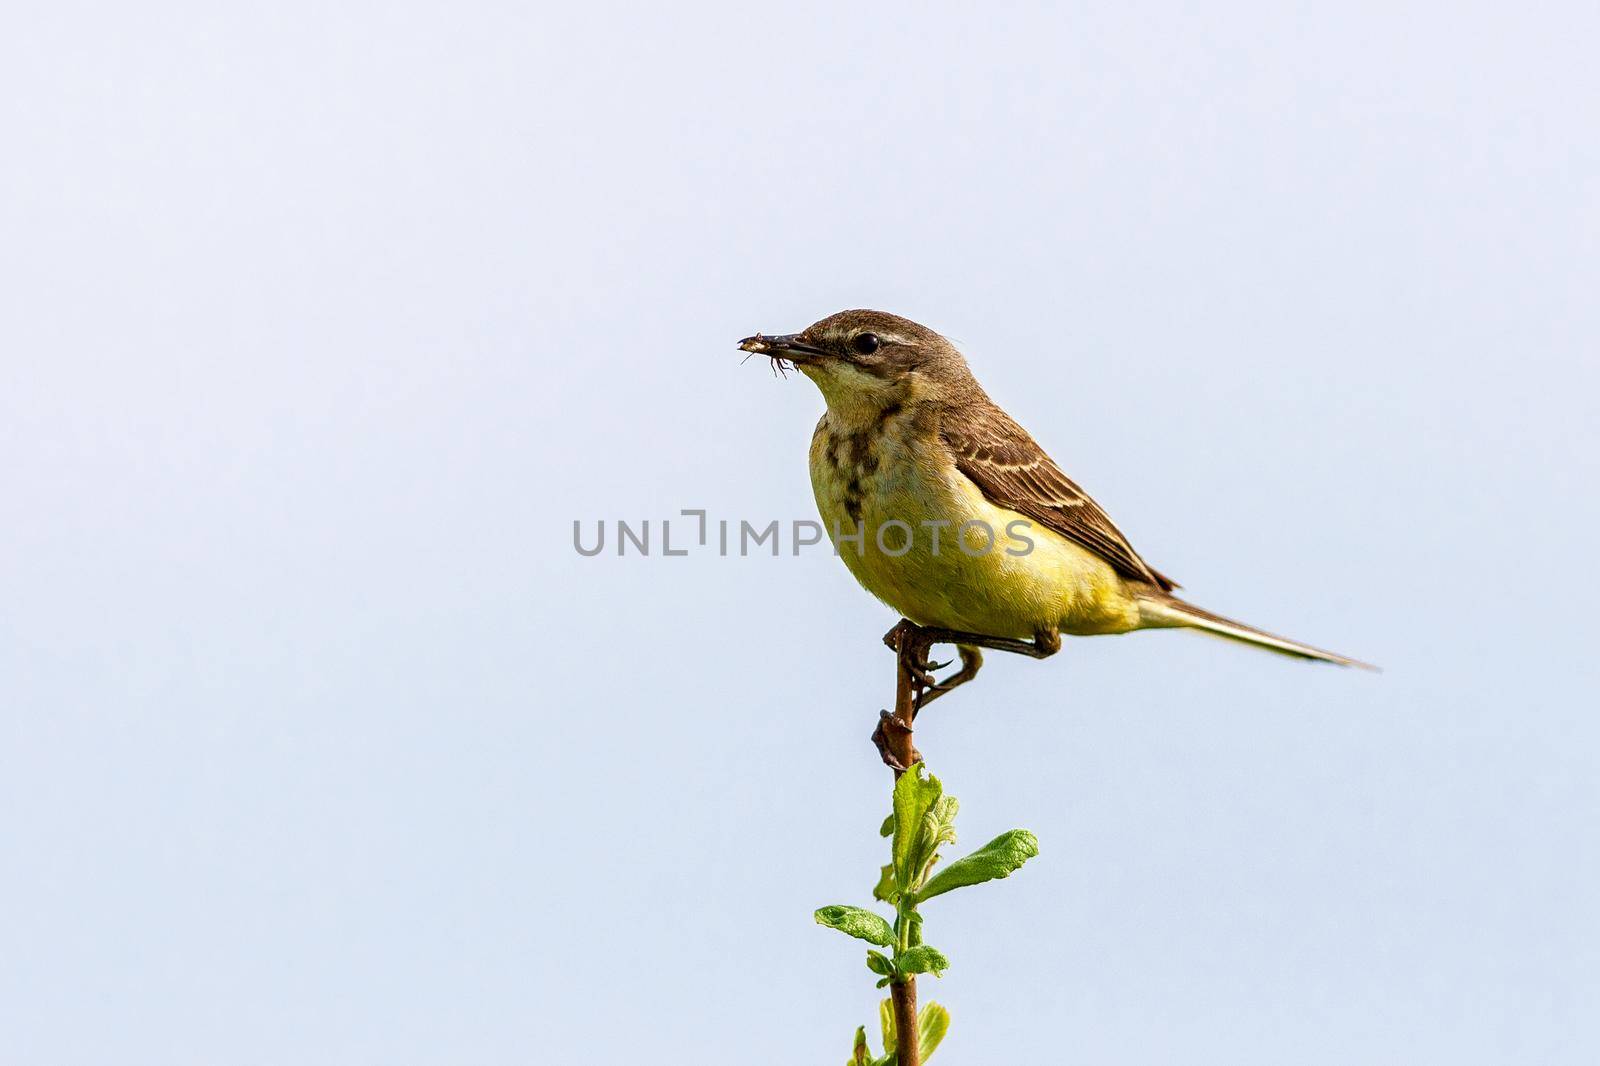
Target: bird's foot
[911, 644]
[971, 663]
[903, 628]
[890, 729]
[922, 672]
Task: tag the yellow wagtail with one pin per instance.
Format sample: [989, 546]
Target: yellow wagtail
[945, 509]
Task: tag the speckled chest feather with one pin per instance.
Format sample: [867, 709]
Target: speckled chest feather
[881, 481]
[852, 459]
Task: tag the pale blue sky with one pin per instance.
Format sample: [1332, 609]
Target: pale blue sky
[319, 327]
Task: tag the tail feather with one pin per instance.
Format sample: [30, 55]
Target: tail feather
[1169, 611]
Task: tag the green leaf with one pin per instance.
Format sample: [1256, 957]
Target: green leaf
[939, 824]
[858, 1053]
[996, 859]
[887, 828]
[857, 922]
[879, 963]
[887, 888]
[933, 1021]
[921, 959]
[938, 827]
[914, 796]
[886, 1024]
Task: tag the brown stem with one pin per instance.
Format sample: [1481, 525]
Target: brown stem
[903, 994]
[904, 997]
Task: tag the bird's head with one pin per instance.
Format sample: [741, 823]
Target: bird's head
[865, 361]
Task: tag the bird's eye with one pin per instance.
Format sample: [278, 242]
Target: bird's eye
[865, 343]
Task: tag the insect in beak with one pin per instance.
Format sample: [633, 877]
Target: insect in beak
[785, 351]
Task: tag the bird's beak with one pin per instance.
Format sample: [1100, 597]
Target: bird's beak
[787, 346]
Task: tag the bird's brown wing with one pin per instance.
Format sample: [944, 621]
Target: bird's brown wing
[1013, 472]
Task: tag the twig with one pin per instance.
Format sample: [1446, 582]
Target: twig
[896, 742]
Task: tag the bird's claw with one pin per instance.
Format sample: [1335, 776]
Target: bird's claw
[909, 642]
[889, 725]
[918, 674]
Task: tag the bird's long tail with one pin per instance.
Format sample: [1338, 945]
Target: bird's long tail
[1171, 612]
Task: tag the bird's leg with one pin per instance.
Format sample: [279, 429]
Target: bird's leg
[905, 640]
[891, 639]
[911, 650]
[1045, 642]
[913, 677]
[916, 668]
[912, 643]
[971, 663]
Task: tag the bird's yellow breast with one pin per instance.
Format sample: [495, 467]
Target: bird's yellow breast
[923, 538]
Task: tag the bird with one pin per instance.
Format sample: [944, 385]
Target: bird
[944, 508]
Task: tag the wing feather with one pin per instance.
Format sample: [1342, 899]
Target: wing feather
[1013, 472]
